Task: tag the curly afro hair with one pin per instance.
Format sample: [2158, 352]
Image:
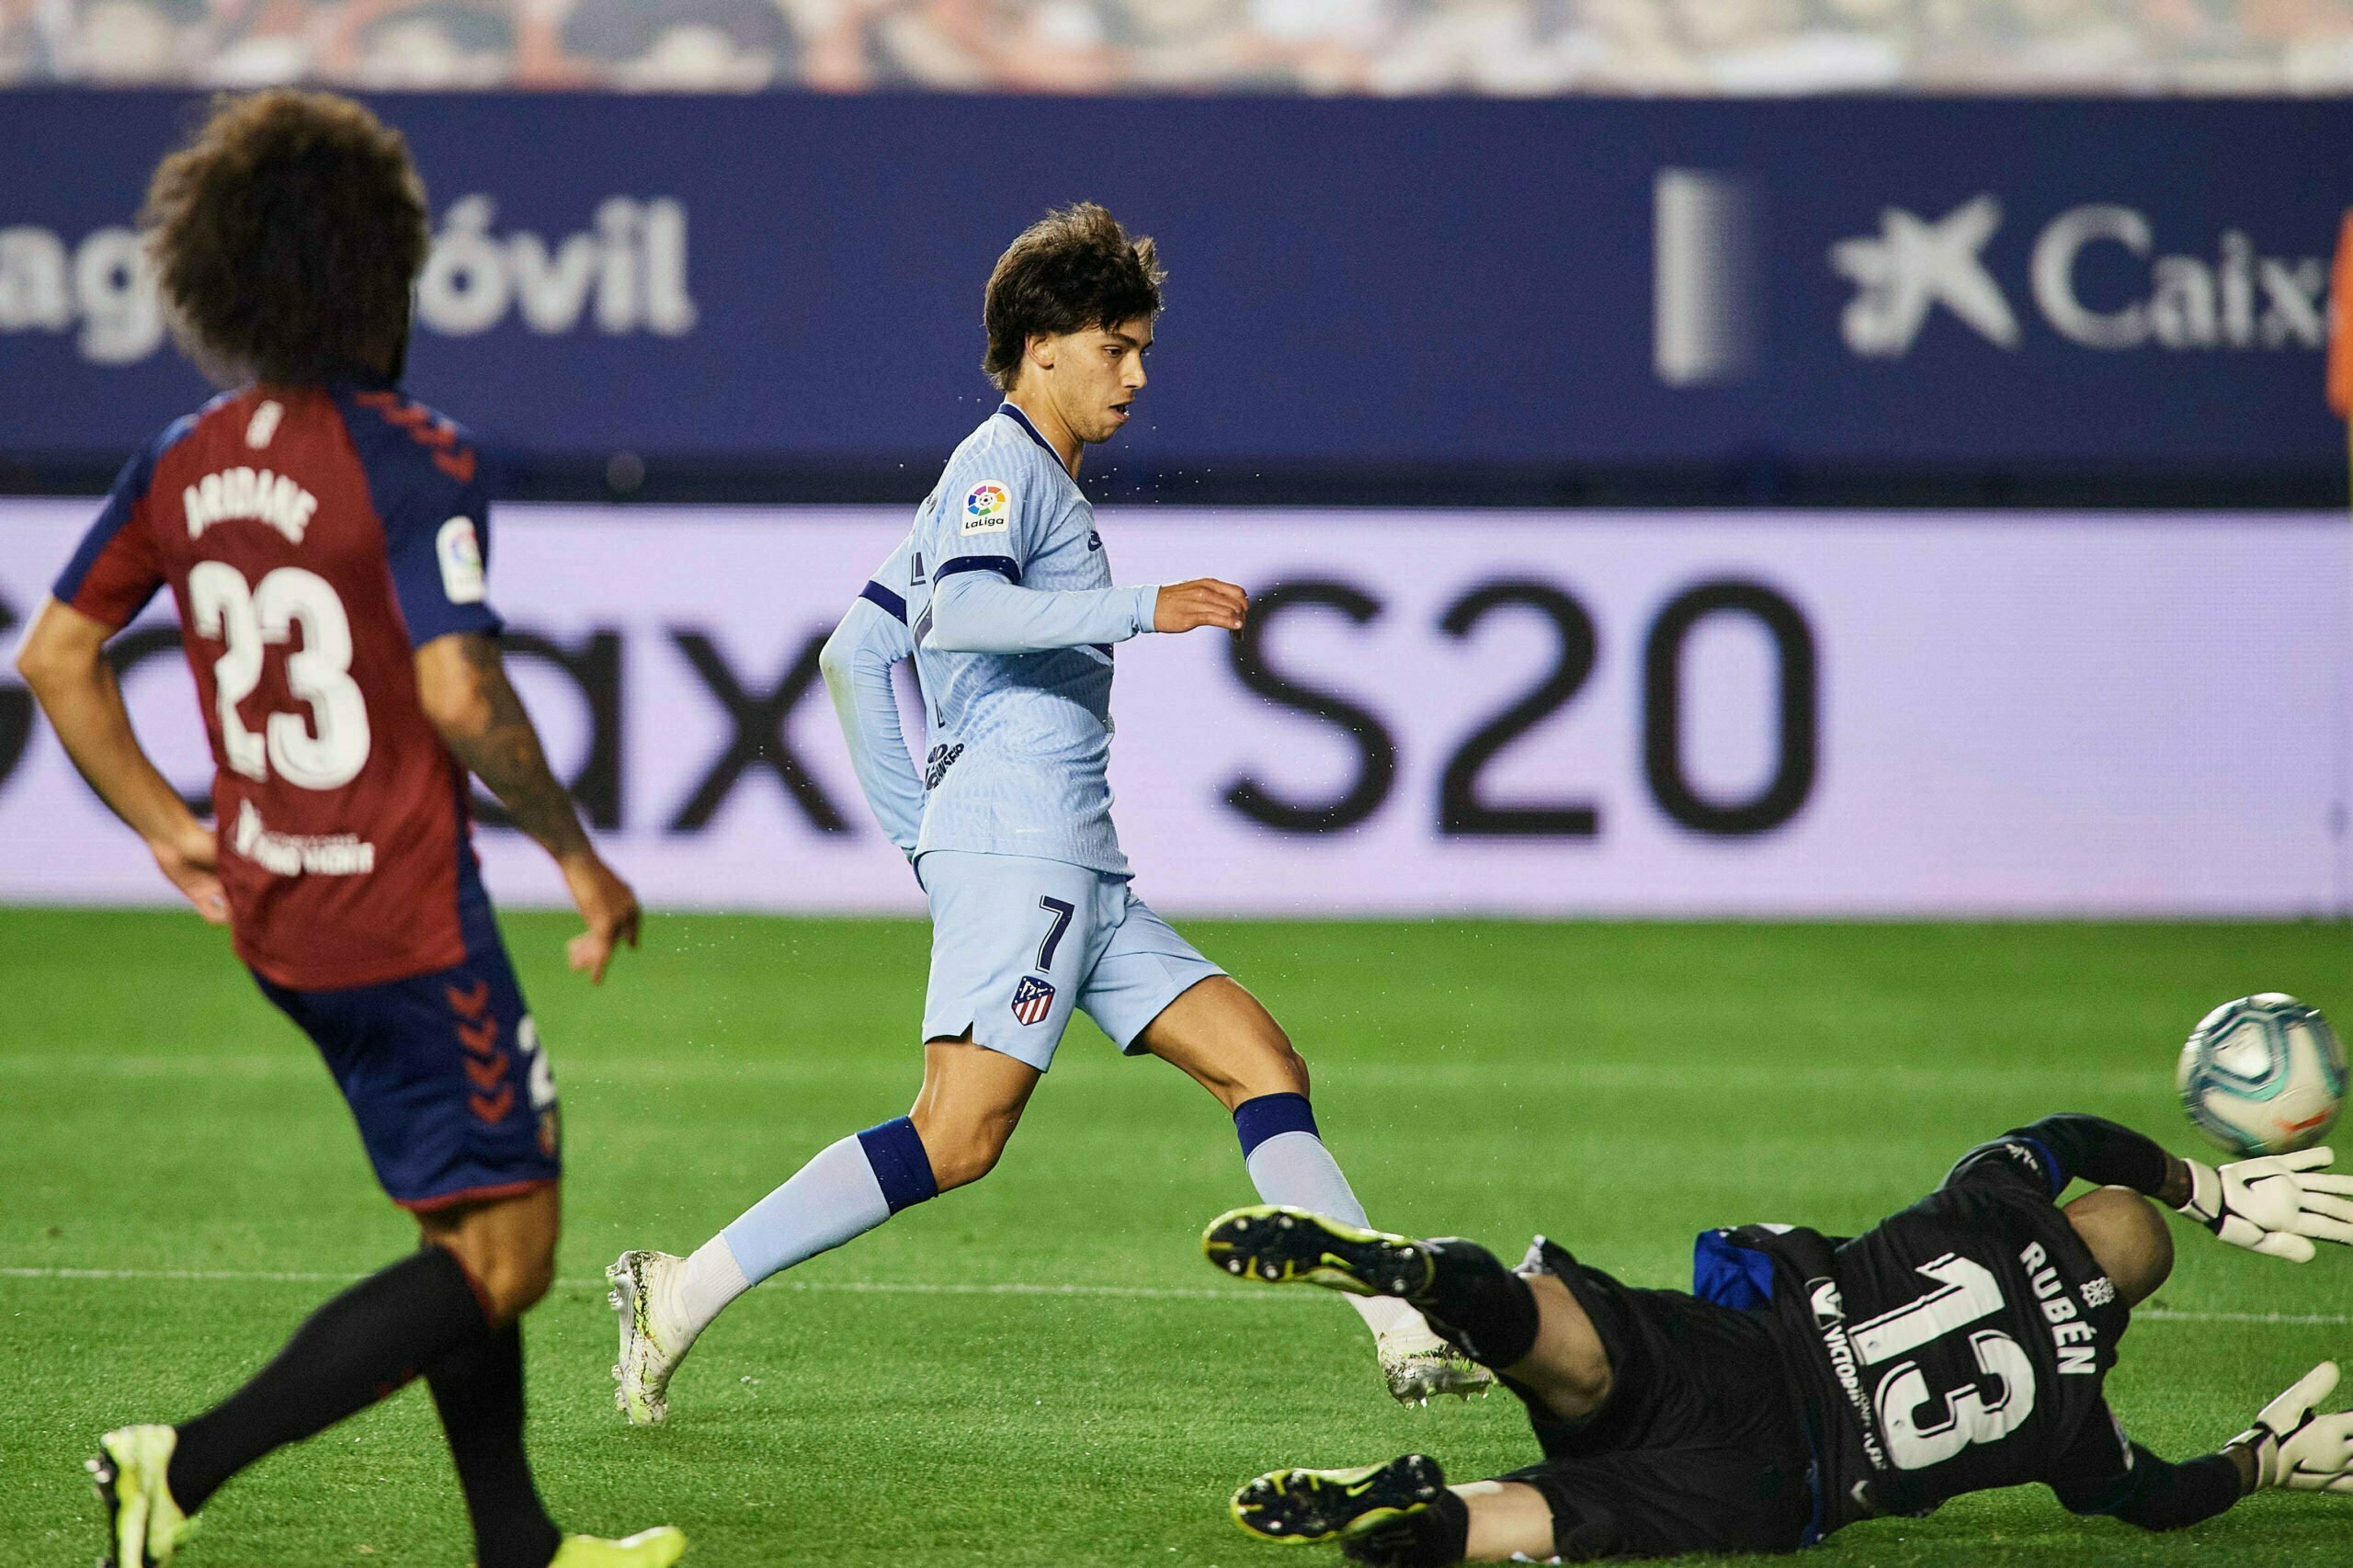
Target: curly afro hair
[1074, 268]
[285, 238]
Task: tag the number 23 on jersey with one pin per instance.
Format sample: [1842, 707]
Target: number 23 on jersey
[323, 751]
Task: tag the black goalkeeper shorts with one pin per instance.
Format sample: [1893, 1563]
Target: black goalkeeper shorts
[1700, 1446]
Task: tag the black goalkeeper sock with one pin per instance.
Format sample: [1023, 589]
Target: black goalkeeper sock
[1435, 1537]
[355, 1350]
[478, 1389]
[1476, 1304]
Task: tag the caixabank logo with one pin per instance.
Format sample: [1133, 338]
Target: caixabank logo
[2107, 277]
[2214, 292]
[625, 272]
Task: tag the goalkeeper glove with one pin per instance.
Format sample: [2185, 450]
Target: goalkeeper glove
[2275, 1205]
[2295, 1447]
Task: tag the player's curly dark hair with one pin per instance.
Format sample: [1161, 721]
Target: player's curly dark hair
[286, 235]
[1074, 268]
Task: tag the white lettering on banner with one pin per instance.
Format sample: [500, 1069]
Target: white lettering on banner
[633, 264]
[1524, 714]
[2237, 298]
[2053, 272]
[105, 284]
[627, 273]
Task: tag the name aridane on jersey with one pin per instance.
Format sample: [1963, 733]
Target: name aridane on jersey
[1016, 686]
[312, 540]
[241, 492]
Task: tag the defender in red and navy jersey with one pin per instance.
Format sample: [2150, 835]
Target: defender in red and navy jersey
[325, 540]
[1811, 1382]
[326, 547]
[313, 539]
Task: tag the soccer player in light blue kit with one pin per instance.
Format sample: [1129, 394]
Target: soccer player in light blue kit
[1002, 594]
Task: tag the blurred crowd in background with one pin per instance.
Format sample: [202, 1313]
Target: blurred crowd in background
[1279, 46]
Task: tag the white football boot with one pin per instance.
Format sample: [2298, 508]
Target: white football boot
[1418, 1364]
[656, 1335]
[145, 1526]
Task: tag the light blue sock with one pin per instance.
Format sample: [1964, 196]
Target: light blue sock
[1289, 1164]
[825, 1203]
[848, 1189]
[1286, 1160]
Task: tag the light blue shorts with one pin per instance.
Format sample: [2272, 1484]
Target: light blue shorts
[1017, 942]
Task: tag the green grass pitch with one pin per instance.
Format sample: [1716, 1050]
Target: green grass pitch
[1619, 1087]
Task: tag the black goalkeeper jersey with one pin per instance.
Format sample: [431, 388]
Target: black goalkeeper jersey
[1959, 1345]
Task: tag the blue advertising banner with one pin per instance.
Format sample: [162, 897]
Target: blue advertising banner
[797, 280]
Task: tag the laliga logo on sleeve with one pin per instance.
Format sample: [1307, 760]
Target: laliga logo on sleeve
[988, 508]
[461, 553]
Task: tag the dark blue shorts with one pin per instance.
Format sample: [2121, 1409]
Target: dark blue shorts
[445, 1075]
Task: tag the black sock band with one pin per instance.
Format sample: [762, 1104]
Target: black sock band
[1435, 1537]
[355, 1349]
[478, 1389]
[1479, 1306]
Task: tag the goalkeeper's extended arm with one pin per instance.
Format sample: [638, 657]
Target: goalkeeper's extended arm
[2277, 1205]
[2105, 1153]
[2292, 1444]
[2161, 1497]
[2296, 1445]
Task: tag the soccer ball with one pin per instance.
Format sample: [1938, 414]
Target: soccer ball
[2263, 1075]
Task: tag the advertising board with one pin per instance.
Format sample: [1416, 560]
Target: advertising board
[1515, 713]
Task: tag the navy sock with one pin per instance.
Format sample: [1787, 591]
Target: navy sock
[902, 1168]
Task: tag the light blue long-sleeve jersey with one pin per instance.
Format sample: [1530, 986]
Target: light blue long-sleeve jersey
[857, 662]
[1008, 605]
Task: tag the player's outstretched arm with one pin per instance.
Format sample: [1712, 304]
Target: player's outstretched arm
[979, 611]
[2296, 1445]
[2156, 1495]
[461, 681]
[64, 662]
[2278, 1205]
[2292, 1444]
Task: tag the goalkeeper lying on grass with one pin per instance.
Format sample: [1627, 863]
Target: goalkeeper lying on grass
[1813, 1380]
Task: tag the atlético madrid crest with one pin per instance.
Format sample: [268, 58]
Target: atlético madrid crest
[1033, 1000]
